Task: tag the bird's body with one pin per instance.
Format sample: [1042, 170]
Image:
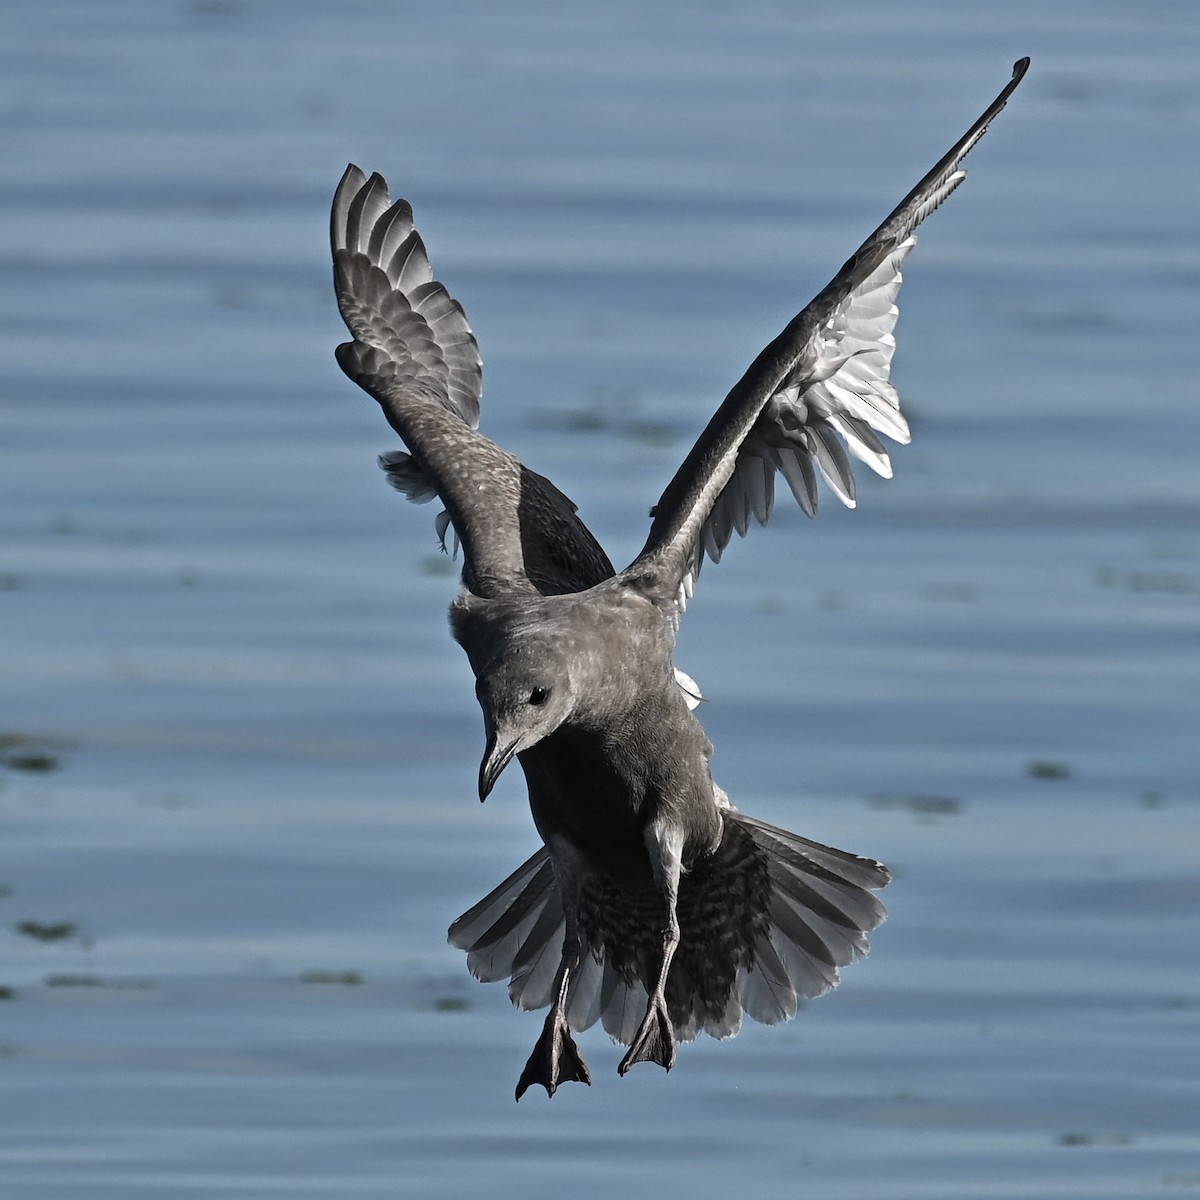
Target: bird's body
[594, 778]
[654, 906]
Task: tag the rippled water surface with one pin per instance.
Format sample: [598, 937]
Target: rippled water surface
[238, 749]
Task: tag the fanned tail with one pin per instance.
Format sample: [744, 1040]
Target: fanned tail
[766, 921]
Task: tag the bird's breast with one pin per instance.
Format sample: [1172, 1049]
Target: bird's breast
[602, 787]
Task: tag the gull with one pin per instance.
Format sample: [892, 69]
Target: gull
[653, 905]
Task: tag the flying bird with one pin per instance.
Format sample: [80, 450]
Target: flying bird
[653, 906]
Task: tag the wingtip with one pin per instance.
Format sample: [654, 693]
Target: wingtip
[1020, 67]
[348, 188]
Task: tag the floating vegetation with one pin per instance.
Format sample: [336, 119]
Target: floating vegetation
[772, 605]
[48, 931]
[31, 762]
[1044, 768]
[951, 593]
[1094, 1139]
[448, 1004]
[649, 433]
[1171, 583]
[7, 993]
[69, 980]
[608, 410]
[438, 565]
[28, 752]
[345, 978]
[573, 420]
[919, 804]
[1181, 1003]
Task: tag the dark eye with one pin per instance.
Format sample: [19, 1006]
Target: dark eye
[539, 695]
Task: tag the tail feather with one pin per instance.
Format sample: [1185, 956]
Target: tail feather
[536, 963]
[817, 860]
[767, 994]
[804, 914]
[810, 969]
[622, 1005]
[766, 921]
[494, 930]
[585, 993]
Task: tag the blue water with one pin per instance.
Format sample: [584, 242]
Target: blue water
[240, 747]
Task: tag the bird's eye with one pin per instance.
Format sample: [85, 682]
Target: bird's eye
[539, 695]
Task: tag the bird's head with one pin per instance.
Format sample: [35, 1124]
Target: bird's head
[525, 694]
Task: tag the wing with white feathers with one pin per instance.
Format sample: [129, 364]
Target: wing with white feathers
[819, 390]
[843, 397]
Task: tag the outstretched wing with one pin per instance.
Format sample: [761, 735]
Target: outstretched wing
[819, 389]
[415, 353]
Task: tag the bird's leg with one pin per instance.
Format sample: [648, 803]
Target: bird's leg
[555, 1058]
[655, 1038]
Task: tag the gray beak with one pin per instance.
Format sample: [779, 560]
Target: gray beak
[496, 757]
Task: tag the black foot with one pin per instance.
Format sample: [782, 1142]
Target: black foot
[654, 1041]
[555, 1059]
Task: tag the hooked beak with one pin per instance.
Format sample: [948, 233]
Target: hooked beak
[496, 757]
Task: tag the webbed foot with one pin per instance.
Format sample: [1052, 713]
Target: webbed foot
[555, 1059]
[654, 1040]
